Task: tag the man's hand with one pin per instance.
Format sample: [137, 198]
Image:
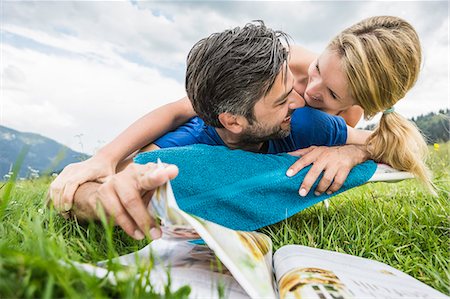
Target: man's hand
[63, 188]
[124, 198]
[336, 163]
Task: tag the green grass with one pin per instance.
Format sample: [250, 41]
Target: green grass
[397, 224]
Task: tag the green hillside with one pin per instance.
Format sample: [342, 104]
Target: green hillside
[44, 154]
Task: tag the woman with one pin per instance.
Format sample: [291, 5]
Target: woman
[367, 67]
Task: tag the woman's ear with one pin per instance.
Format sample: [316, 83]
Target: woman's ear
[233, 123]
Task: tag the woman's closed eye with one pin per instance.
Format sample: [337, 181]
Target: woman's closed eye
[333, 95]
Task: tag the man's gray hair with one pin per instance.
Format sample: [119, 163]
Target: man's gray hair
[231, 70]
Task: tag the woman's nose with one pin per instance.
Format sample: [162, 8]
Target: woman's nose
[313, 88]
[297, 101]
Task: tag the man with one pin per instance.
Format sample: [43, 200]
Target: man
[241, 87]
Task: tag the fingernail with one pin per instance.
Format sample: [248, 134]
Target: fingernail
[290, 172]
[67, 207]
[317, 193]
[329, 192]
[303, 192]
[155, 233]
[138, 235]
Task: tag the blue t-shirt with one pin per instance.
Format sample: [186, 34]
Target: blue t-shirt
[308, 127]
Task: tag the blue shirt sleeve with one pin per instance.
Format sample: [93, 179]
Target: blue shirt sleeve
[183, 135]
[193, 132]
[314, 127]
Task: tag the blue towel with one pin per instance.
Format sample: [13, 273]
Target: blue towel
[241, 190]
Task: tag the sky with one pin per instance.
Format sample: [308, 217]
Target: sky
[81, 72]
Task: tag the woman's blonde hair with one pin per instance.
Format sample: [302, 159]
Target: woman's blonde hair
[382, 57]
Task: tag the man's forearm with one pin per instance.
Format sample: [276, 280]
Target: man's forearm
[85, 207]
[360, 153]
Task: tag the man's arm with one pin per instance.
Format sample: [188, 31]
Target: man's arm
[335, 162]
[124, 198]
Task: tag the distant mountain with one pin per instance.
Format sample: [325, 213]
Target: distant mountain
[44, 154]
[434, 126]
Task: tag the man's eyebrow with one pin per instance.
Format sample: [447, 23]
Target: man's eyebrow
[281, 98]
[331, 91]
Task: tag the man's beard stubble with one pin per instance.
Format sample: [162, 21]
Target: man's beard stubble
[257, 133]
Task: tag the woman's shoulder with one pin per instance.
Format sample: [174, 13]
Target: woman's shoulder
[352, 115]
[301, 58]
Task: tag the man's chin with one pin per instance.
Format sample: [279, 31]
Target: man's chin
[285, 133]
[282, 133]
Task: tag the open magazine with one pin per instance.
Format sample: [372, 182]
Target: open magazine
[219, 262]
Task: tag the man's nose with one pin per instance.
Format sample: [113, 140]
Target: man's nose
[297, 101]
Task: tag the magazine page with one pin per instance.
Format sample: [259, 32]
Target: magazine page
[304, 272]
[247, 255]
[183, 263]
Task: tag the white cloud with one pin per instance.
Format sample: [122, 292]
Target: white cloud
[61, 97]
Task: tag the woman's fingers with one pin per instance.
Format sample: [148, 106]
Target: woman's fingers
[62, 188]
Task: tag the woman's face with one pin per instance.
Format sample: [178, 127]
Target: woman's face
[327, 87]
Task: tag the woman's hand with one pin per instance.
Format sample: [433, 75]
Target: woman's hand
[63, 188]
[335, 163]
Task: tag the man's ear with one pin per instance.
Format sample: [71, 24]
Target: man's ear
[231, 122]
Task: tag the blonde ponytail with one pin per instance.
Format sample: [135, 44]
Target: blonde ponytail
[397, 141]
[381, 57]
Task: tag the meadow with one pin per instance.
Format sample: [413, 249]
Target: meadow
[398, 224]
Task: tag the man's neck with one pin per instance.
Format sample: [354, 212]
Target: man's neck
[232, 141]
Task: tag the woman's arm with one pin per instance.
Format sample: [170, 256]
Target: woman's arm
[147, 129]
[357, 136]
[104, 163]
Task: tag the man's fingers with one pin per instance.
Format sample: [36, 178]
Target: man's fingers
[302, 152]
[339, 180]
[113, 208]
[300, 164]
[157, 177]
[310, 178]
[325, 182]
[134, 205]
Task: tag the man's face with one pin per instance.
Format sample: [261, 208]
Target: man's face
[273, 112]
